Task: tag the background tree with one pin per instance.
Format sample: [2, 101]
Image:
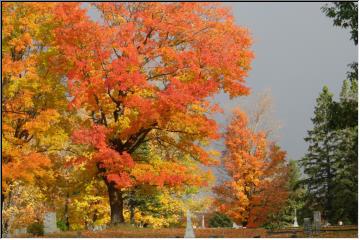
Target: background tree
[145, 78]
[318, 163]
[258, 175]
[220, 220]
[332, 154]
[23, 206]
[285, 217]
[345, 128]
[260, 110]
[345, 121]
[331, 161]
[272, 192]
[345, 15]
[34, 120]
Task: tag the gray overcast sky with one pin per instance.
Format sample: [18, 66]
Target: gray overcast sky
[298, 51]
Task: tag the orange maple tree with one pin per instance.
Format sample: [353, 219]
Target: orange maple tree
[258, 173]
[144, 74]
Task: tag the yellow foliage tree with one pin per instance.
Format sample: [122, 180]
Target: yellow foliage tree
[33, 100]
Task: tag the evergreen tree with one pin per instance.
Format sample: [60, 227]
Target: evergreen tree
[318, 163]
[344, 124]
[344, 206]
[220, 220]
[345, 112]
[330, 164]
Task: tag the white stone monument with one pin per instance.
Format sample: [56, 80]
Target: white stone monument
[295, 221]
[203, 222]
[307, 226]
[50, 223]
[317, 221]
[98, 228]
[189, 232]
[19, 231]
[236, 226]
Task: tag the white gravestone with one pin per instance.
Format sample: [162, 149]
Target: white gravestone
[99, 227]
[19, 231]
[236, 226]
[317, 221]
[307, 226]
[295, 221]
[50, 223]
[189, 233]
[203, 222]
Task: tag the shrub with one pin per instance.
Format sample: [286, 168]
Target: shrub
[220, 220]
[62, 225]
[36, 229]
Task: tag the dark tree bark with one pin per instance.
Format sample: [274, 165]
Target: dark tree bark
[116, 204]
[66, 211]
[132, 204]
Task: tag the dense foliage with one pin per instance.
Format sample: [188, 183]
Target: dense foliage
[344, 14]
[220, 220]
[258, 173]
[294, 203]
[108, 121]
[330, 164]
[145, 78]
[331, 161]
[111, 121]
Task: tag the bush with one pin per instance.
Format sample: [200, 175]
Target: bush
[220, 220]
[36, 229]
[62, 225]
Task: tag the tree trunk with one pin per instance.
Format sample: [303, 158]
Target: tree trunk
[116, 204]
[328, 195]
[66, 212]
[132, 214]
[6, 224]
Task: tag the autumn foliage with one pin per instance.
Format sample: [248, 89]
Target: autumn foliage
[143, 75]
[121, 103]
[31, 109]
[258, 174]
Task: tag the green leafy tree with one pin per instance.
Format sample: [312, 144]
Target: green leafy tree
[344, 14]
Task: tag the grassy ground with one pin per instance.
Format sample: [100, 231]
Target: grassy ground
[350, 231]
[131, 232]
